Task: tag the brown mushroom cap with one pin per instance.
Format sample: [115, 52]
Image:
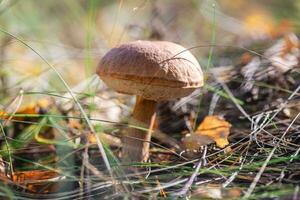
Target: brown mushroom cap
[153, 70]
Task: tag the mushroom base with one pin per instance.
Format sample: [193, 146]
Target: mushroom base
[136, 142]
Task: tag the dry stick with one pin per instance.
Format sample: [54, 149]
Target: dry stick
[252, 186]
[20, 100]
[295, 195]
[261, 128]
[188, 184]
[213, 103]
[162, 186]
[83, 172]
[177, 165]
[231, 96]
[285, 167]
[234, 174]
[262, 169]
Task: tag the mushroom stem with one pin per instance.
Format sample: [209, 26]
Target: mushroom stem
[136, 142]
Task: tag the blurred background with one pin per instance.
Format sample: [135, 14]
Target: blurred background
[74, 35]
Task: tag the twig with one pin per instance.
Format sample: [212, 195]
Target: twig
[295, 195]
[188, 184]
[213, 103]
[262, 169]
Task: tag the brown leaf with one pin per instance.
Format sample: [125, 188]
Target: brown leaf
[216, 129]
[35, 107]
[212, 129]
[194, 141]
[36, 180]
[33, 175]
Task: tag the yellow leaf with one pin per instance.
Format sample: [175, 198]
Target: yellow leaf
[216, 129]
[38, 107]
[35, 107]
[212, 129]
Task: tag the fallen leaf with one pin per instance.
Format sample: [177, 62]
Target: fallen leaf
[212, 129]
[33, 175]
[35, 107]
[37, 180]
[194, 141]
[216, 129]
[38, 107]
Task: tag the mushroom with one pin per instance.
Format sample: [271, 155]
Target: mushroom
[153, 71]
